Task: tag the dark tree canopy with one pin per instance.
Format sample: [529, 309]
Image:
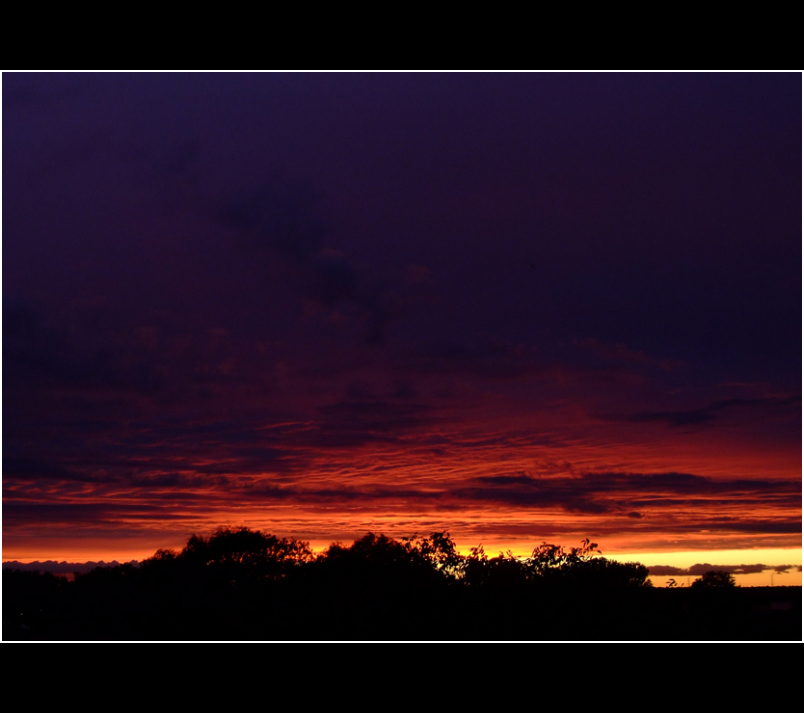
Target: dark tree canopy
[244, 550]
[242, 584]
[715, 580]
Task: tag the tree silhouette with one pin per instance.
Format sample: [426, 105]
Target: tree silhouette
[240, 584]
[715, 580]
[439, 550]
[243, 551]
[380, 557]
[548, 558]
[504, 570]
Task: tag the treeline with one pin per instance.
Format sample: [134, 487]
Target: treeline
[242, 584]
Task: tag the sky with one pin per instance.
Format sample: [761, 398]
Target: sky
[519, 307]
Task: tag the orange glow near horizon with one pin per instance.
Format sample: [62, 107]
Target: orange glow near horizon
[99, 551]
[512, 480]
[517, 308]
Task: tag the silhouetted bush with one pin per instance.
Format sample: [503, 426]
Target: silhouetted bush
[714, 580]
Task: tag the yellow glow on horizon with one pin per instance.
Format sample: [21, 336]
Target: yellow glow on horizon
[123, 550]
[769, 556]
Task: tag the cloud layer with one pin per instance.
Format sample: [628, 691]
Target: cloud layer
[512, 306]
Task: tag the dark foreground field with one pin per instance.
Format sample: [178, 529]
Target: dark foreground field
[243, 585]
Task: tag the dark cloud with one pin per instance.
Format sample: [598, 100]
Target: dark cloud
[40, 469]
[779, 525]
[697, 570]
[374, 418]
[622, 354]
[611, 492]
[20, 512]
[487, 359]
[403, 291]
[716, 410]
[62, 568]
[283, 228]
[281, 218]
[40, 354]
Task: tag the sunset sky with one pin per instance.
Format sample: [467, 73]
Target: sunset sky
[519, 307]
